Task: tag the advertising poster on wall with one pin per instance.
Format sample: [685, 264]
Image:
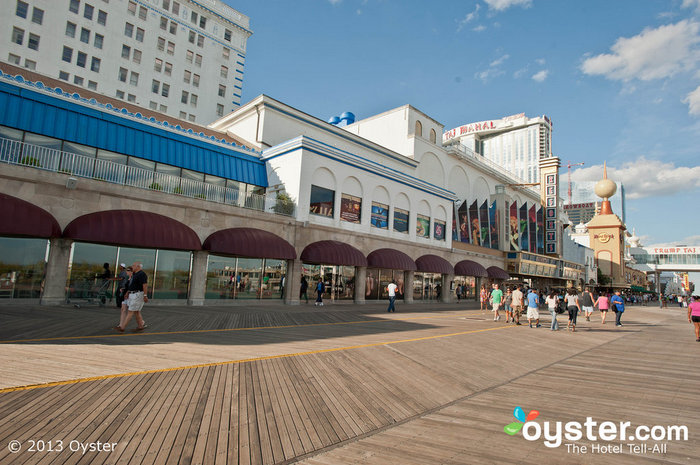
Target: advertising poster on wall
[455, 228]
[524, 243]
[484, 219]
[422, 226]
[321, 202]
[380, 215]
[400, 220]
[463, 219]
[439, 230]
[540, 230]
[493, 225]
[532, 219]
[514, 227]
[350, 208]
[474, 228]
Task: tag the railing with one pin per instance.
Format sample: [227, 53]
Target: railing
[48, 159]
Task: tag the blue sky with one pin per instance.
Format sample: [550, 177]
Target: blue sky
[620, 79]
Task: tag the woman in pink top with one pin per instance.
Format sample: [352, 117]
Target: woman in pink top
[603, 304]
[694, 315]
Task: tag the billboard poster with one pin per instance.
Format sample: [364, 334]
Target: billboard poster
[524, 242]
[463, 220]
[380, 215]
[422, 226]
[350, 208]
[493, 225]
[540, 230]
[439, 230]
[455, 229]
[484, 220]
[514, 227]
[400, 220]
[532, 217]
[474, 228]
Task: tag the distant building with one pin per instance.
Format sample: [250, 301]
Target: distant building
[183, 58]
[516, 143]
[584, 204]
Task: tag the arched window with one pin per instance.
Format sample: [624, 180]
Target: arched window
[419, 129]
[432, 136]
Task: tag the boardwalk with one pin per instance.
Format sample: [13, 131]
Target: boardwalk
[430, 384]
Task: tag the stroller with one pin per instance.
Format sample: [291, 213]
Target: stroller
[90, 291]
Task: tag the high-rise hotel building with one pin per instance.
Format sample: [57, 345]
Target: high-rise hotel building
[515, 143]
[184, 58]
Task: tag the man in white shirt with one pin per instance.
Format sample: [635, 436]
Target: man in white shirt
[517, 304]
[392, 295]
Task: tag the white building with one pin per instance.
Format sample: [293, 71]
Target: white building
[184, 58]
[515, 142]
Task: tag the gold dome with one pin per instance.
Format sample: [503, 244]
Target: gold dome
[605, 188]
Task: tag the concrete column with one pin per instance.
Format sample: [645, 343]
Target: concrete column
[360, 284]
[56, 272]
[446, 295]
[657, 279]
[198, 283]
[292, 285]
[408, 286]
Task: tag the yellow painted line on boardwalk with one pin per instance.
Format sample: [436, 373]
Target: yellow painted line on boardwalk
[233, 362]
[196, 331]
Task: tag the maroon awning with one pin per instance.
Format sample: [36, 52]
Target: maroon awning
[249, 242]
[470, 268]
[391, 259]
[133, 228]
[434, 264]
[497, 273]
[333, 253]
[21, 218]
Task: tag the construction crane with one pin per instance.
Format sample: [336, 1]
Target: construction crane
[569, 165]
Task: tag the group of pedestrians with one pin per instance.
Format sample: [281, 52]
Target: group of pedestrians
[132, 294]
[572, 302]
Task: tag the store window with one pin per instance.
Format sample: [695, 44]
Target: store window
[339, 281]
[378, 279]
[322, 201]
[22, 267]
[350, 208]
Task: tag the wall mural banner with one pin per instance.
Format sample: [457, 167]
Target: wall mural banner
[474, 228]
[464, 225]
[380, 215]
[400, 220]
[493, 225]
[540, 230]
[455, 227]
[524, 242]
[514, 227]
[350, 208]
[422, 226]
[484, 219]
[439, 230]
[532, 217]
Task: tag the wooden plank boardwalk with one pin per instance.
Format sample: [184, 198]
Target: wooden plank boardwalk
[433, 390]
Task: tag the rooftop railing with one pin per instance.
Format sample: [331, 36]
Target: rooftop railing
[48, 159]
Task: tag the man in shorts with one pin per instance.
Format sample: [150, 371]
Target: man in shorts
[496, 298]
[137, 295]
[517, 304]
[532, 313]
[586, 303]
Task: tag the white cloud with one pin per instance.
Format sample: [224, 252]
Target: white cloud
[500, 5]
[520, 73]
[469, 18]
[493, 70]
[541, 75]
[691, 4]
[646, 178]
[335, 2]
[693, 101]
[652, 54]
[540, 61]
[689, 241]
[479, 28]
[499, 61]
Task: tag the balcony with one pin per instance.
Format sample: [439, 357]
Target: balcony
[19, 153]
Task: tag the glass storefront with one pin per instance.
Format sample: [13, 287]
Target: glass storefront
[22, 267]
[469, 286]
[339, 280]
[245, 278]
[377, 281]
[168, 271]
[427, 286]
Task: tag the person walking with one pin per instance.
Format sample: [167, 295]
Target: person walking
[458, 291]
[552, 302]
[694, 315]
[508, 306]
[603, 304]
[137, 297]
[496, 298]
[125, 302]
[517, 304]
[587, 303]
[303, 290]
[619, 307]
[391, 288]
[484, 297]
[573, 306]
[320, 289]
[532, 311]
[122, 278]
